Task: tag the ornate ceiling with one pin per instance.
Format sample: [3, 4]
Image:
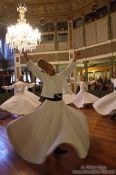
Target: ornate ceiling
[49, 10]
[41, 12]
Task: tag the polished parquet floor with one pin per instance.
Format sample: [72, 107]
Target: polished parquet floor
[101, 155]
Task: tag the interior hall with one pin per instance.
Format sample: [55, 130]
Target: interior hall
[56, 125]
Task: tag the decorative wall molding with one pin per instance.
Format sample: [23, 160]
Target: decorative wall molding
[51, 57]
[57, 10]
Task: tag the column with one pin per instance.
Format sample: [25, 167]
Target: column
[110, 38]
[75, 80]
[17, 66]
[70, 34]
[84, 36]
[111, 67]
[72, 78]
[26, 73]
[114, 65]
[55, 36]
[109, 21]
[86, 69]
[33, 79]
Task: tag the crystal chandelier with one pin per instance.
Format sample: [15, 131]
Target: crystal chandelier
[22, 36]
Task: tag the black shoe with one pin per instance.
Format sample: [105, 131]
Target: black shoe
[113, 117]
[60, 151]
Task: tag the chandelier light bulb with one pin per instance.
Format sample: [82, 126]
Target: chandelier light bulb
[22, 36]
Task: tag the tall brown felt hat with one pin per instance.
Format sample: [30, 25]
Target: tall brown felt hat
[43, 64]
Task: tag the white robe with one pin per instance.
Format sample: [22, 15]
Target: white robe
[68, 98]
[30, 94]
[39, 133]
[23, 101]
[107, 104]
[83, 97]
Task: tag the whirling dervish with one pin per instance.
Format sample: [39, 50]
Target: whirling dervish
[53, 123]
[107, 104]
[23, 101]
[83, 97]
[30, 94]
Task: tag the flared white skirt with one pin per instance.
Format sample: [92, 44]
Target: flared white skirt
[21, 104]
[35, 135]
[82, 98]
[68, 98]
[32, 96]
[106, 105]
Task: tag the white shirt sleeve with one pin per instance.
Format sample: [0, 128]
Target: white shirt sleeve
[112, 80]
[91, 82]
[8, 87]
[68, 70]
[29, 85]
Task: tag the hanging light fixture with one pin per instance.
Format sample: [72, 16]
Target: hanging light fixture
[22, 36]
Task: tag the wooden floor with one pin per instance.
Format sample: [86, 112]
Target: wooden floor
[102, 152]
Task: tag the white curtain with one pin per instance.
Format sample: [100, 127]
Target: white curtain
[78, 37]
[113, 19]
[102, 30]
[90, 30]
